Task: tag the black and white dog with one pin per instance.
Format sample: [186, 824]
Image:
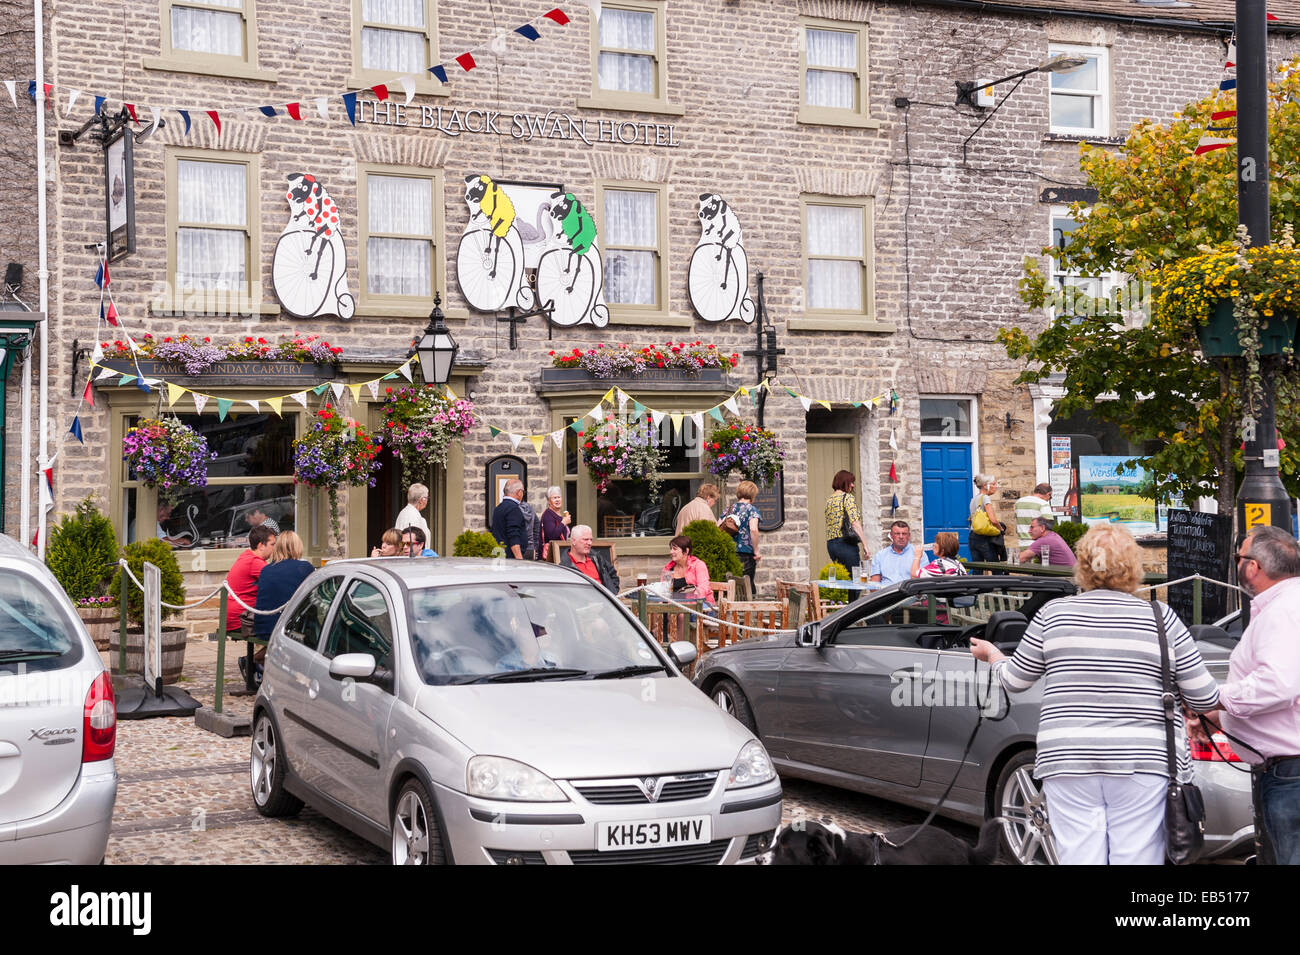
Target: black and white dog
[818, 844]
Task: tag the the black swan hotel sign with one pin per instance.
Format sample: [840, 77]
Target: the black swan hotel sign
[523, 126]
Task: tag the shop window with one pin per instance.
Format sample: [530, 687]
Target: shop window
[1080, 98]
[628, 508]
[401, 221]
[217, 37]
[395, 37]
[249, 481]
[633, 241]
[213, 234]
[628, 53]
[833, 67]
[837, 256]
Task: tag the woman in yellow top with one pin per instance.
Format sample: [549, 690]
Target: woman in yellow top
[844, 536]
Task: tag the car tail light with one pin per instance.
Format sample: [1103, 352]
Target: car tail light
[1220, 752]
[99, 725]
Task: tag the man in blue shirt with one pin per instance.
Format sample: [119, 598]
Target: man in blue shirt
[413, 543]
[894, 563]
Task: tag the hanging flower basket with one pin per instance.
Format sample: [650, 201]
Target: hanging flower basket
[167, 455]
[619, 447]
[746, 448]
[335, 452]
[420, 424]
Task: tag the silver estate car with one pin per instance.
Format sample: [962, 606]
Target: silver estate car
[508, 713]
[882, 696]
[58, 722]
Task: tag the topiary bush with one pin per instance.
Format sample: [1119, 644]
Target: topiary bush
[159, 554]
[474, 544]
[1071, 531]
[82, 551]
[711, 544]
[834, 595]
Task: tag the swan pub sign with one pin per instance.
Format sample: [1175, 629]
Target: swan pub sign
[523, 126]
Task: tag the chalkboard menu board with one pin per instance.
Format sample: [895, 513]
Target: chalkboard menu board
[1199, 544]
[771, 504]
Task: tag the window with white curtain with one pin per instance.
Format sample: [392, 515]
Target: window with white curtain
[833, 61]
[214, 27]
[212, 218]
[396, 36]
[838, 255]
[1079, 98]
[401, 242]
[628, 56]
[630, 240]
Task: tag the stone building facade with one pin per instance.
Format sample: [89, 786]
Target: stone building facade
[944, 214]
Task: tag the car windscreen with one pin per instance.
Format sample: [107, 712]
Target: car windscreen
[34, 633]
[483, 632]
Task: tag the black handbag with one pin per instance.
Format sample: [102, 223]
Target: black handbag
[1184, 807]
[847, 533]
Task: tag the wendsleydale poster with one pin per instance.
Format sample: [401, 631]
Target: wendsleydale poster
[1106, 495]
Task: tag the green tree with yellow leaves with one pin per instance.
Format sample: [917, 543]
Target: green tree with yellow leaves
[1158, 206]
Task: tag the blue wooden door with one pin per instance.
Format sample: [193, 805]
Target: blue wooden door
[946, 490]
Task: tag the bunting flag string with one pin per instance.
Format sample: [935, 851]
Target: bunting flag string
[466, 61]
[1209, 140]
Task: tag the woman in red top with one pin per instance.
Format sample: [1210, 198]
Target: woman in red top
[687, 575]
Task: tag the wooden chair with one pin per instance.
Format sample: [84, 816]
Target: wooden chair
[618, 525]
[809, 592]
[741, 587]
[769, 615]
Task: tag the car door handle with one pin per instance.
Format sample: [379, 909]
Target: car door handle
[313, 689]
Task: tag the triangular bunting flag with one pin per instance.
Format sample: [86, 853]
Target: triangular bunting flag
[676, 418]
[698, 420]
[730, 405]
[576, 427]
[275, 404]
[72, 98]
[223, 406]
[49, 479]
[105, 373]
[558, 15]
[389, 377]
[143, 385]
[1223, 114]
[156, 113]
[356, 392]
[515, 439]
[743, 391]
[717, 415]
[185, 115]
[805, 401]
[13, 97]
[294, 110]
[1207, 144]
[538, 440]
[1232, 55]
[440, 72]
[268, 111]
[254, 404]
[89, 395]
[637, 408]
[126, 380]
[130, 108]
[320, 390]
[200, 401]
[350, 104]
[893, 506]
[596, 412]
[75, 430]
[558, 438]
[380, 91]
[607, 397]
[466, 61]
[405, 371]
[111, 315]
[824, 404]
[216, 120]
[622, 401]
[893, 472]
[528, 31]
[493, 430]
[300, 397]
[99, 103]
[408, 87]
[657, 417]
[173, 393]
[893, 440]
[99, 275]
[323, 108]
[374, 388]
[97, 354]
[1227, 84]
[450, 394]
[337, 388]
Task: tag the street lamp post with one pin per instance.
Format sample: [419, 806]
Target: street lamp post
[436, 348]
[1262, 499]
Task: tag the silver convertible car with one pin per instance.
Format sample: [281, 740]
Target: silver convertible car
[508, 713]
[882, 697]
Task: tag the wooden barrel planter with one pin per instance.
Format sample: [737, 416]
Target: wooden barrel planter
[100, 623]
[173, 651]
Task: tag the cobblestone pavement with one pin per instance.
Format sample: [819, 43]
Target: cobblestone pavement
[183, 794]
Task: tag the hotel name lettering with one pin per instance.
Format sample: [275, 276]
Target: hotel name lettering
[523, 126]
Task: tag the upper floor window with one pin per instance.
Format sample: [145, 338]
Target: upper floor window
[401, 220]
[217, 37]
[1070, 284]
[633, 240]
[833, 67]
[837, 255]
[395, 37]
[629, 50]
[1080, 98]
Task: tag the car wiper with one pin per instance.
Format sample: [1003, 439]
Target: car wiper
[534, 673]
[35, 654]
[620, 672]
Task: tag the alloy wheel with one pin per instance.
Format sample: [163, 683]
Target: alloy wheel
[410, 831]
[261, 766]
[1024, 819]
[724, 700]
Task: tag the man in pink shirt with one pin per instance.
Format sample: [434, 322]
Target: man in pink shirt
[1261, 700]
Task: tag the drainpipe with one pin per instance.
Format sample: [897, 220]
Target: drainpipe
[43, 276]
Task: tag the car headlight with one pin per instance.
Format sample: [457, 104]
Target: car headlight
[495, 777]
[751, 767]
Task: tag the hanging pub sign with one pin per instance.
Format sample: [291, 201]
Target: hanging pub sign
[119, 193]
[556, 237]
[309, 270]
[717, 278]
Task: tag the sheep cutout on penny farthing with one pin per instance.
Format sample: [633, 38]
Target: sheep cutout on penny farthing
[310, 268]
[718, 276]
[570, 277]
[490, 260]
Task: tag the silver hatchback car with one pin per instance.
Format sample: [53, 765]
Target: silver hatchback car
[58, 722]
[508, 713]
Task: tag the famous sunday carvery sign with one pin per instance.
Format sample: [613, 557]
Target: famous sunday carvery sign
[523, 126]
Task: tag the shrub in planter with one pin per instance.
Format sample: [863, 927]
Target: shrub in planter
[831, 594]
[711, 544]
[155, 552]
[1071, 531]
[474, 544]
[82, 551]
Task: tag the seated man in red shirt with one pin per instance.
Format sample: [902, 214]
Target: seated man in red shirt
[243, 580]
[579, 556]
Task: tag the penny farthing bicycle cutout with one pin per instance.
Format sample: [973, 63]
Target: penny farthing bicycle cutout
[490, 262]
[717, 278]
[570, 278]
[309, 266]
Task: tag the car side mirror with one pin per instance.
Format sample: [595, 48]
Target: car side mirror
[358, 666]
[810, 635]
[682, 652]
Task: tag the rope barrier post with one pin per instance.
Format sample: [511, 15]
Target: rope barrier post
[642, 612]
[121, 627]
[221, 650]
[1196, 600]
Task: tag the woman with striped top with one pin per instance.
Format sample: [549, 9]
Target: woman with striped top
[1101, 731]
